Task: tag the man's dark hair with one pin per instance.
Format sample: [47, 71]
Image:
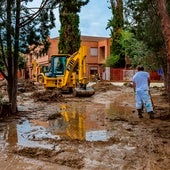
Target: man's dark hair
[140, 68]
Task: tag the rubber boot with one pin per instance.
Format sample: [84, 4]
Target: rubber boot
[151, 115]
[142, 109]
[140, 113]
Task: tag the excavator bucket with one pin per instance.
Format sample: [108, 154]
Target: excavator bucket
[80, 92]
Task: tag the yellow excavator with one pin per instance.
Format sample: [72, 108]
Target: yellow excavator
[38, 72]
[68, 72]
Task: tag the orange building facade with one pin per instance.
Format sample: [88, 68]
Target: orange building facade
[98, 49]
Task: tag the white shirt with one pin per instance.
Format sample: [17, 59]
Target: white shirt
[141, 80]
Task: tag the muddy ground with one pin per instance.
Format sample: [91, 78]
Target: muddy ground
[102, 132]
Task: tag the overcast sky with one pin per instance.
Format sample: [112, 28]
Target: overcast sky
[93, 19]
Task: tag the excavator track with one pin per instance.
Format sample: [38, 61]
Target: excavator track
[80, 92]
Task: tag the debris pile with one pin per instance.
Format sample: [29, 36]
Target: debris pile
[27, 85]
[48, 96]
[104, 86]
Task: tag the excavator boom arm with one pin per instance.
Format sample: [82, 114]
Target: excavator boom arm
[77, 59]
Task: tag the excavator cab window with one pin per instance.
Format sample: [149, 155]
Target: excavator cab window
[59, 65]
[45, 69]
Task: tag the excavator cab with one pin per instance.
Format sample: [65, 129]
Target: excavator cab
[58, 65]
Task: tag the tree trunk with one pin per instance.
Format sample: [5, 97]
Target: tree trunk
[9, 50]
[15, 57]
[12, 56]
[165, 23]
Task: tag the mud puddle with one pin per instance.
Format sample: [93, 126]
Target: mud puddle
[71, 122]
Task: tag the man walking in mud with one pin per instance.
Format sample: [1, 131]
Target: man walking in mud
[141, 83]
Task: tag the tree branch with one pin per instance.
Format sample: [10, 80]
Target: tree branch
[33, 16]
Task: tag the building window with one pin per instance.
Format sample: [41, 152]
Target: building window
[93, 52]
[93, 70]
[102, 52]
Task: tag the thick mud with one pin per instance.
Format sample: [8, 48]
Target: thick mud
[93, 133]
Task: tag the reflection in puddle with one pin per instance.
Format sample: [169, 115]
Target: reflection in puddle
[97, 135]
[76, 122]
[82, 124]
[32, 136]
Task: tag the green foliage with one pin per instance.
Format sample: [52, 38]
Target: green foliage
[126, 38]
[33, 27]
[69, 39]
[146, 22]
[139, 38]
[143, 20]
[69, 33]
[112, 60]
[135, 50]
[115, 25]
